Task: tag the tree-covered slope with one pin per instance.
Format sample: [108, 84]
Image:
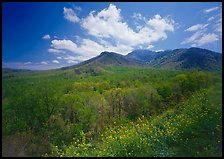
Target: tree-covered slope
[107, 58]
[61, 113]
[187, 59]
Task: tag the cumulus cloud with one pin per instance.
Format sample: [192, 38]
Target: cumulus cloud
[60, 45]
[78, 8]
[70, 15]
[139, 20]
[46, 37]
[44, 62]
[55, 50]
[108, 31]
[139, 17]
[109, 23]
[87, 49]
[211, 9]
[55, 61]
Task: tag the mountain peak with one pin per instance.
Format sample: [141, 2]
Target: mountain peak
[183, 58]
[108, 53]
[104, 52]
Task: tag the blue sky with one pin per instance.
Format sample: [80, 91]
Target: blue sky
[49, 35]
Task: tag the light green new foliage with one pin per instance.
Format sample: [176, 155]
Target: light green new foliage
[115, 111]
[170, 134]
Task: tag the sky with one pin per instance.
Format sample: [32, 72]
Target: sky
[49, 35]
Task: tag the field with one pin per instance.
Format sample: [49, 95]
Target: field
[113, 111]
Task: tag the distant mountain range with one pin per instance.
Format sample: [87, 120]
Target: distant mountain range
[10, 70]
[182, 59]
[192, 58]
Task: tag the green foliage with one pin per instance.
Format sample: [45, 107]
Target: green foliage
[115, 111]
[164, 91]
[191, 130]
[192, 81]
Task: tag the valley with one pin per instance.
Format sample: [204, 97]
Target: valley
[115, 105]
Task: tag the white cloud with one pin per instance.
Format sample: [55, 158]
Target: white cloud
[205, 33]
[156, 28]
[43, 65]
[218, 25]
[55, 51]
[211, 9]
[139, 16]
[139, 20]
[196, 27]
[66, 45]
[44, 62]
[218, 28]
[46, 37]
[109, 32]
[70, 15]
[72, 61]
[78, 8]
[200, 38]
[207, 38]
[27, 63]
[211, 18]
[55, 61]
[59, 57]
[85, 50]
[150, 46]
[159, 50]
[109, 23]
[193, 38]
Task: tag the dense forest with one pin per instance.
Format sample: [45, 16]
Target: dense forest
[114, 111]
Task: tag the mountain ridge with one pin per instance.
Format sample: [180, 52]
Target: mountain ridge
[107, 58]
[180, 59]
[183, 58]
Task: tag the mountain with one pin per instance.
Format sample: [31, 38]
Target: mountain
[181, 59]
[107, 58]
[142, 55]
[192, 58]
[14, 70]
[10, 72]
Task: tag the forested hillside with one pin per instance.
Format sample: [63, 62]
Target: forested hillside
[114, 111]
[182, 59]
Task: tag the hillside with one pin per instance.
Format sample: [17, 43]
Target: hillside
[180, 59]
[107, 58]
[142, 55]
[192, 58]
